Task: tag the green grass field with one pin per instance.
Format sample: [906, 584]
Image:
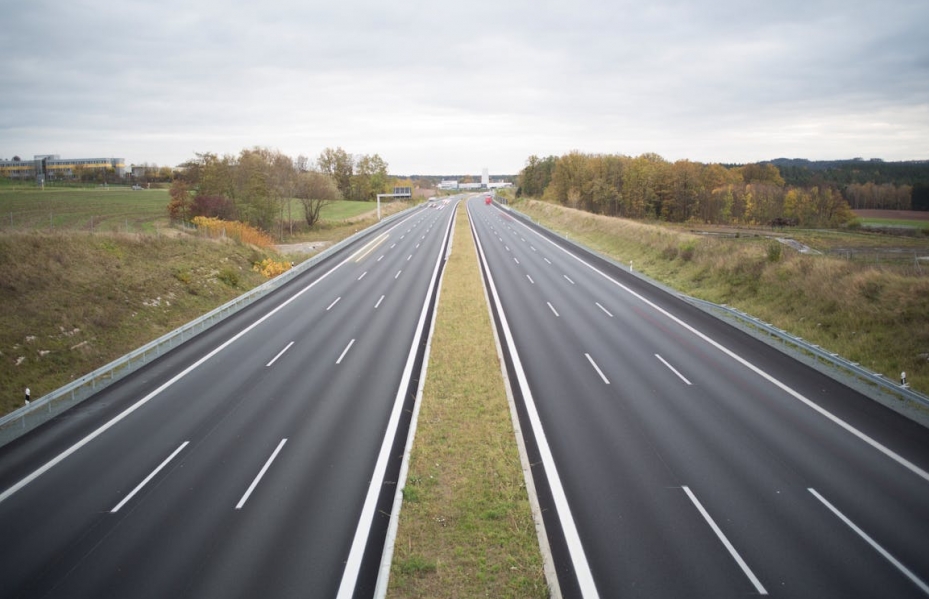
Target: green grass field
[114, 208]
[119, 209]
[894, 222]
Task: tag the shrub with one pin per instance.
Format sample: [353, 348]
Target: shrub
[183, 275]
[229, 277]
[774, 252]
[669, 253]
[213, 207]
[240, 232]
[687, 250]
[270, 267]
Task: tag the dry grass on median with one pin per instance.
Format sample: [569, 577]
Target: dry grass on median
[466, 529]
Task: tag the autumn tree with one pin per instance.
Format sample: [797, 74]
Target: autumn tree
[179, 205]
[568, 180]
[536, 176]
[370, 178]
[315, 190]
[338, 164]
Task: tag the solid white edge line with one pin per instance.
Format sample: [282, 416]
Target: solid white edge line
[366, 519]
[884, 553]
[782, 386]
[722, 537]
[336, 301]
[345, 351]
[261, 473]
[378, 302]
[279, 354]
[674, 370]
[554, 311]
[579, 561]
[148, 478]
[119, 417]
[607, 312]
[597, 368]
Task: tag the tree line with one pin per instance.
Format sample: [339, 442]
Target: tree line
[648, 186]
[805, 173]
[259, 185]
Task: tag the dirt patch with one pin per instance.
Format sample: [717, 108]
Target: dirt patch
[309, 247]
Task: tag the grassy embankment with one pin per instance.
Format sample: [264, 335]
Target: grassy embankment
[75, 300]
[871, 313]
[466, 529]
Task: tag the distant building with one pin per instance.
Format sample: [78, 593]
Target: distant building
[49, 167]
[485, 179]
[449, 184]
[499, 184]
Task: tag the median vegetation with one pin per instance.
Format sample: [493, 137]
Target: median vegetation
[466, 529]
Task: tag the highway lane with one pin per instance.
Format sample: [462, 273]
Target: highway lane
[693, 459]
[251, 474]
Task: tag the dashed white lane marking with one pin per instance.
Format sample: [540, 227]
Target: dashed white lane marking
[345, 351]
[674, 370]
[722, 537]
[149, 478]
[279, 354]
[597, 368]
[260, 475]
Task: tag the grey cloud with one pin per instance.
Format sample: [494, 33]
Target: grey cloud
[723, 80]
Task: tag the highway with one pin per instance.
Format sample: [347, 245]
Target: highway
[675, 456]
[257, 460]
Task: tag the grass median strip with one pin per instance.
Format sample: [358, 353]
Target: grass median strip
[466, 528]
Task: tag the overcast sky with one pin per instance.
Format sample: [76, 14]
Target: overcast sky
[439, 87]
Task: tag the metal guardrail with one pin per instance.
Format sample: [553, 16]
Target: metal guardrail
[26, 418]
[835, 360]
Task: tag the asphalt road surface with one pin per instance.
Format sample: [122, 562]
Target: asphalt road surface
[249, 462]
[678, 457]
